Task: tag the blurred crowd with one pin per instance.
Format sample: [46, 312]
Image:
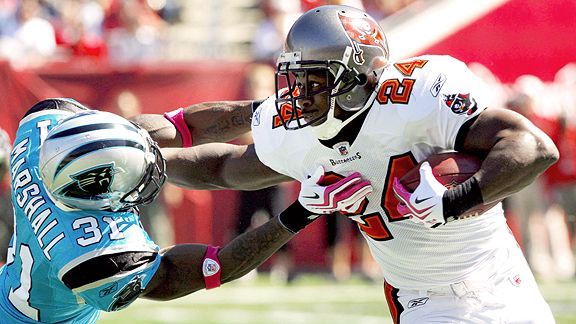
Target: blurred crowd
[33, 32]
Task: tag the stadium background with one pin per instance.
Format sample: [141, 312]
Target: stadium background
[153, 56]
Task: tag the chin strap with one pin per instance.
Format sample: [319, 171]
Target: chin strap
[332, 126]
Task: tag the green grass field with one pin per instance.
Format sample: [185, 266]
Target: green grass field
[309, 299]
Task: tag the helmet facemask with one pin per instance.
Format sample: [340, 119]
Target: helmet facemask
[294, 74]
[152, 181]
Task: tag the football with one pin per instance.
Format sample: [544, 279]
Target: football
[450, 169]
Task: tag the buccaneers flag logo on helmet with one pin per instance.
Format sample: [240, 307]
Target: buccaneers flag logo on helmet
[362, 31]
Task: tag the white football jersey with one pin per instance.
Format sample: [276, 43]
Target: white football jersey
[419, 107]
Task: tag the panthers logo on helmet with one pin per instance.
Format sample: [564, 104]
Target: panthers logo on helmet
[90, 182]
[461, 103]
[363, 31]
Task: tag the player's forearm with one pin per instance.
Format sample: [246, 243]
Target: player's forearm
[198, 167]
[207, 122]
[180, 272]
[217, 166]
[220, 121]
[251, 249]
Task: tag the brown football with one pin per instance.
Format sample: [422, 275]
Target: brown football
[450, 169]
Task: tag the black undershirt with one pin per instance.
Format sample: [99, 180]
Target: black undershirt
[351, 131]
[348, 132]
[106, 266]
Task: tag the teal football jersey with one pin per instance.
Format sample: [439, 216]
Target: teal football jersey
[58, 267]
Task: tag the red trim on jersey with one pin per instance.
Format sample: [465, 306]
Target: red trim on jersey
[211, 267]
[176, 117]
[394, 305]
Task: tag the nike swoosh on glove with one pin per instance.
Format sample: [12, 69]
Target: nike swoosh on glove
[424, 205]
[344, 195]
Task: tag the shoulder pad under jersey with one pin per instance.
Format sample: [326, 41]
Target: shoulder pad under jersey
[423, 85]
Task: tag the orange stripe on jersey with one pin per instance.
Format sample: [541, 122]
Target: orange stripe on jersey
[394, 305]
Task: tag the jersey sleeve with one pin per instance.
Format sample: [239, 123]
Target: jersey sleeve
[110, 270]
[268, 134]
[448, 96]
[118, 291]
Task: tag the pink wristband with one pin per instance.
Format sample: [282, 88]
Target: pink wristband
[211, 268]
[176, 117]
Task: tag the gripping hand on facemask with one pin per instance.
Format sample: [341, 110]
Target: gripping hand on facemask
[424, 205]
[344, 195]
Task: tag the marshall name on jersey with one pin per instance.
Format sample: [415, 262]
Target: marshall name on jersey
[418, 108]
[66, 266]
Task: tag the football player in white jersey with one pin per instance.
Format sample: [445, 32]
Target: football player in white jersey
[343, 106]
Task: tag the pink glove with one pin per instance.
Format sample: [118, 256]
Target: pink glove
[345, 195]
[424, 205]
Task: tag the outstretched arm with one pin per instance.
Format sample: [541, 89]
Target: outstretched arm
[219, 166]
[207, 122]
[207, 165]
[180, 272]
[181, 268]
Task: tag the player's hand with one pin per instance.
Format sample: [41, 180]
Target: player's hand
[424, 205]
[345, 195]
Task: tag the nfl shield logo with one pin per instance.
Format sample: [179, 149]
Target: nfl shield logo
[343, 148]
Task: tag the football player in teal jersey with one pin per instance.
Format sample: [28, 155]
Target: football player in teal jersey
[77, 179]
